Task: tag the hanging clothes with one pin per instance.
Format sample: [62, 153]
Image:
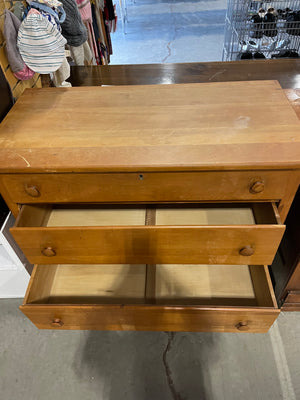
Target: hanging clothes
[17, 65]
[97, 10]
[84, 7]
[41, 45]
[19, 9]
[54, 16]
[110, 17]
[101, 48]
[73, 28]
[82, 55]
[104, 22]
[63, 73]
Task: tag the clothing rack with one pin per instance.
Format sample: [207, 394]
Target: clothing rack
[99, 44]
[17, 86]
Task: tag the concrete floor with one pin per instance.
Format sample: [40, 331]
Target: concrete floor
[96, 365]
[170, 31]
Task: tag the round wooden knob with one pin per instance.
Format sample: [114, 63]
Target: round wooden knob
[257, 187]
[242, 326]
[32, 191]
[49, 252]
[247, 251]
[57, 322]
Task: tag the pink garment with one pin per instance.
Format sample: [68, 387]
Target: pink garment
[33, 11]
[92, 40]
[25, 74]
[85, 9]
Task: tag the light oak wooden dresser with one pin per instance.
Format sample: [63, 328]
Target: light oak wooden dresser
[151, 207]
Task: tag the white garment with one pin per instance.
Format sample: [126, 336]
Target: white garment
[63, 73]
[82, 55]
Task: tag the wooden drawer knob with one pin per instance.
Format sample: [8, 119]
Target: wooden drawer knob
[257, 187]
[32, 191]
[57, 322]
[242, 326]
[247, 251]
[49, 252]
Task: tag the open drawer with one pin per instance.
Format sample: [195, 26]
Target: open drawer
[162, 297]
[174, 234]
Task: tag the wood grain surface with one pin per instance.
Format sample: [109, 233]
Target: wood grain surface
[158, 127]
[286, 71]
[181, 235]
[175, 284]
[149, 186]
[78, 297]
[159, 244]
[151, 317]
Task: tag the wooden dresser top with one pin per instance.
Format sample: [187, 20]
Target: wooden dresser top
[206, 126]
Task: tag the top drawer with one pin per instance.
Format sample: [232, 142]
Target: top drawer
[146, 187]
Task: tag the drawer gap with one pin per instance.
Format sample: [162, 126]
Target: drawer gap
[266, 213]
[160, 215]
[164, 284]
[34, 216]
[41, 284]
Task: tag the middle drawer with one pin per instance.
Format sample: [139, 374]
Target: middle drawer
[181, 234]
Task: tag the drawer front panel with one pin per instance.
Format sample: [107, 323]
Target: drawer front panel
[150, 244]
[151, 318]
[146, 187]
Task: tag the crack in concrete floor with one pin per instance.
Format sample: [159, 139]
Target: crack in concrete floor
[175, 394]
[174, 36]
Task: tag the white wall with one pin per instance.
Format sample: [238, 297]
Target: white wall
[13, 275]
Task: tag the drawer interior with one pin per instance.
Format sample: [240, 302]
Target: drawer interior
[191, 214]
[219, 285]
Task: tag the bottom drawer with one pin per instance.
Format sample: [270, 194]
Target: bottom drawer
[219, 298]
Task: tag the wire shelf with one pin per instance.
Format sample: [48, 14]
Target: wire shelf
[261, 29]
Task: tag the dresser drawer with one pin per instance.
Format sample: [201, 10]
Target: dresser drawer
[151, 297]
[181, 234]
[147, 186]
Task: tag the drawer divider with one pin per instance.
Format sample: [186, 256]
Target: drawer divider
[150, 280]
[150, 216]
[150, 284]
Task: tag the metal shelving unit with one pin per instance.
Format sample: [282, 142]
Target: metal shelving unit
[261, 29]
